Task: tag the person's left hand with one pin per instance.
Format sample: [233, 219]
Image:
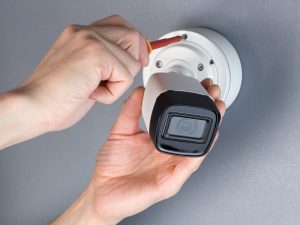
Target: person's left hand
[130, 173]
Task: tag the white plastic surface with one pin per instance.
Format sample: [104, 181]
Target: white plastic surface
[161, 82]
[219, 58]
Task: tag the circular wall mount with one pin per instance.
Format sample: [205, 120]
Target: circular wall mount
[203, 54]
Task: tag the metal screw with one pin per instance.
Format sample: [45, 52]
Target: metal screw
[159, 64]
[184, 36]
[211, 62]
[200, 67]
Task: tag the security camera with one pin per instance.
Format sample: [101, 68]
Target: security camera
[179, 114]
[181, 117]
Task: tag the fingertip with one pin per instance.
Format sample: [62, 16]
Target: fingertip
[144, 58]
[214, 142]
[221, 107]
[140, 89]
[144, 61]
[206, 82]
[217, 135]
[143, 51]
[131, 110]
[214, 91]
[137, 93]
[132, 106]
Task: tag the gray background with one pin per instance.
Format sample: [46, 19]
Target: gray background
[251, 177]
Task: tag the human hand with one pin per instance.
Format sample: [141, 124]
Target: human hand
[130, 174]
[85, 64]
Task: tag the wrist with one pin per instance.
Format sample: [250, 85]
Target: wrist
[19, 119]
[82, 212]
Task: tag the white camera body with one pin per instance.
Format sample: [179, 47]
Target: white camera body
[162, 82]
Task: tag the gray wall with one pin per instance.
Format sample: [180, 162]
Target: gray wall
[251, 177]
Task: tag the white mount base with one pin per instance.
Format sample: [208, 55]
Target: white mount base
[204, 54]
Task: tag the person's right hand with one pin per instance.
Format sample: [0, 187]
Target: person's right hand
[86, 64]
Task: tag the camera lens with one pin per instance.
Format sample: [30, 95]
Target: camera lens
[186, 126]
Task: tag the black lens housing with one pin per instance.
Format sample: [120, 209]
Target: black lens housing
[186, 105]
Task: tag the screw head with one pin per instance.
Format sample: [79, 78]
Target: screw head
[200, 67]
[159, 64]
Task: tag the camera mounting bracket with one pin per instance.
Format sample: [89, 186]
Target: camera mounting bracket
[203, 53]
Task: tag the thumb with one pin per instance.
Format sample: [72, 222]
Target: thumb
[127, 122]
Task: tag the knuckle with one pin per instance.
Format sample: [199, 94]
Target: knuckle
[88, 39]
[119, 18]
[93, 45]
[83, 34]
[71, 29]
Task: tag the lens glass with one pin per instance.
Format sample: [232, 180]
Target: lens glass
[186, 127]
